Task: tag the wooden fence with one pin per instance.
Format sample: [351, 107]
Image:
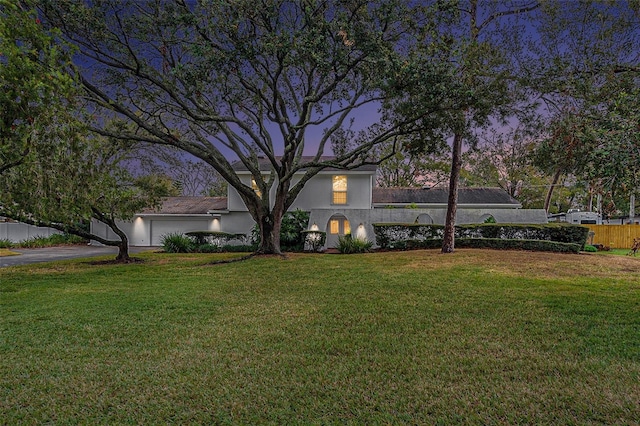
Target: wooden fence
[614, 236]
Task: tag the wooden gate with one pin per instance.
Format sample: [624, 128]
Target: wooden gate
[614, 236]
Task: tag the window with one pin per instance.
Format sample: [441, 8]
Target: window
[339, 189]
[254, 186]
[339, 225]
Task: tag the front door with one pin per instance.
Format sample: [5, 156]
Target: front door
[337, 226]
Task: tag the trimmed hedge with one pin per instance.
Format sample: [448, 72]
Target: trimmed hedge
[492, 243]
[390, 235]
[215, 237]
[314, 240]
[546, 237]
[203, 242]
[531, 245]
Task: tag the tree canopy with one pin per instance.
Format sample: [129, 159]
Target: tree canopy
[34, 84]
[240, 80]
[289, 82]
[479, 56]
[584, 68]
[79, 179]
[53, 172]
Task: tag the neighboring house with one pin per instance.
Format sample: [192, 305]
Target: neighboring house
[577, 217]
[339, 202]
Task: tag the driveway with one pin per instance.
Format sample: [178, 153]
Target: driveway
[49, 254]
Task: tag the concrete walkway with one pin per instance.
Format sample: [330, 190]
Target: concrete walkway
[49, 254]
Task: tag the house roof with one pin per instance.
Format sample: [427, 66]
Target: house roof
[265, 164]
[440, 196]
[381, 196]
[189, 205]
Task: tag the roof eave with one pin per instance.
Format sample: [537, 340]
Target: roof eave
[173, 214]
[443, 205]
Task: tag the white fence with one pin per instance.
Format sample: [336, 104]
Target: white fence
[17, 232]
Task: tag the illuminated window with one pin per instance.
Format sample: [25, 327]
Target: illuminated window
[254, 186]
[339, 189]
[339, 226]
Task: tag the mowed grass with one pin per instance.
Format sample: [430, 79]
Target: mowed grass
[7, 252]
[477, 337]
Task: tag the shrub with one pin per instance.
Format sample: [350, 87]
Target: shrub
[216, 238]
[398, 236]
[52, 240]
[590, 249]
[238, 248]
[192, 242]
[349, 245]
[395, 235]
[315, 239]
[207, 248]
[5, 244]
[532, 245]
[63, 239]
[176, 242]
[35, 242]
[292, 237]
[492, 243]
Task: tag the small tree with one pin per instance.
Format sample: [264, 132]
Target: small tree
[78, 180]
[482, 84]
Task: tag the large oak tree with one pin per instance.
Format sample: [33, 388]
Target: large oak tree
[240, 80]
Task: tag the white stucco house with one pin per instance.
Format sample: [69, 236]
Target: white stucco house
[339, 202]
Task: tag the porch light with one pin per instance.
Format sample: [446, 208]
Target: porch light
[138, 224]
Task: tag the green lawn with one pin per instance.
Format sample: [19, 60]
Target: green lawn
[7, 252]
[477, 337]
[617, 252]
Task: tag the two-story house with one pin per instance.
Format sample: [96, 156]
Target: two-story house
[339, 202]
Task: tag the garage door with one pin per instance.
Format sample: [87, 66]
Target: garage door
[163, 227]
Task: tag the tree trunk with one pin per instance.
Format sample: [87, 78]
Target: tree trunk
[547, 200]
[267, 243]
[270, 221]
[448, 241]
[123, 247]
[269, 224]
[123, 244]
